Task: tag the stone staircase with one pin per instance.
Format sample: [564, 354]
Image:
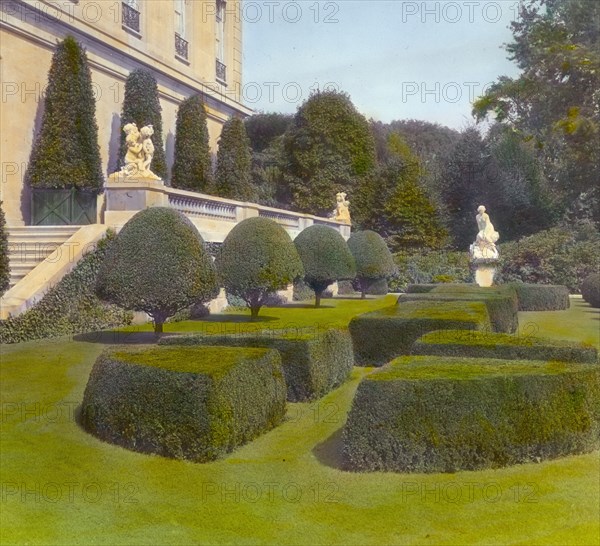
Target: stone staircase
[30, 245]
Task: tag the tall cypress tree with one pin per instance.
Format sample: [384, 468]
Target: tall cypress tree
[234, 162]
[4, 263]
[192, 169]
[142, 107]
[66, 152]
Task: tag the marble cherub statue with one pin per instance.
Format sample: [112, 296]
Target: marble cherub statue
[140, 151]
[484, 246]
[341, 212]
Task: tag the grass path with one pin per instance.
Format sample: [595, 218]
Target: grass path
[63, 486]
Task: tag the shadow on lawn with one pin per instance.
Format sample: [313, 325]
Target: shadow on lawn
[112, 337]
[235, 318]
[329, 452]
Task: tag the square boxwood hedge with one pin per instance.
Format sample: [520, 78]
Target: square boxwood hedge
[383, 335]
[194, 403]
[542, 297]
[313, 364]
[475, 344]
[432, 414]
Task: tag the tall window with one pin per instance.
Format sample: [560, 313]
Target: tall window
[221, 31]
[131, 14]
[180, 17]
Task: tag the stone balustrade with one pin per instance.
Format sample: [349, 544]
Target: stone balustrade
[213, 216]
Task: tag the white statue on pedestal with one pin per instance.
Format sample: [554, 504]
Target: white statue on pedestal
[140, 151]
[484, 247]
[341, 212]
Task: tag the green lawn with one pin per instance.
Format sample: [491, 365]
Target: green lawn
[63, 486]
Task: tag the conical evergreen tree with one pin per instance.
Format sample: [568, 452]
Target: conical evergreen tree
[234, 162]
[142, 107]
[192, 169]
[66, 152]
[4, 263]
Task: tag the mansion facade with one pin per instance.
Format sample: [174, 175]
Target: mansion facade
[190, 46]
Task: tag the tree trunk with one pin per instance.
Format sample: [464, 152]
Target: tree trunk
[363, 295]
[318, 298]
[254, 312]
[158, 326]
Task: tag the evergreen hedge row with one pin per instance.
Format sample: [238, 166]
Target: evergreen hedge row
[184, 402]
[313, 365]
[542, 297]
[4, 257]
[71, 307]
[432, 414]
[501, 302]
[381, 336]
[486, 345]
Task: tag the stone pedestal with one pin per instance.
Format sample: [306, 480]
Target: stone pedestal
[484, 275]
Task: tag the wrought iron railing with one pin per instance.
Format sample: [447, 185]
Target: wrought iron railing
[181, 46]
[131, 17]
[221, 71]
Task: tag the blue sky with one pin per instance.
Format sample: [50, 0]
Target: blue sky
[397, 59]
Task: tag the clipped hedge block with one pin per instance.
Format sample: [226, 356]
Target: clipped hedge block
[424, 288]
[432, 414]
[542, 297]
[501, 303]
[313, 364]
[184, 402]
[383, 335]
[475, 344]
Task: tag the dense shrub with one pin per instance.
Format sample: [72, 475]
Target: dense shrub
[559, 256]
[70, 307]
[590, 289]
[192, 165]
[66, 152]
[374, 262]
[346, 288]
[328, 148]
[383, 335]
[501, 302]
[377, 287]
[141, 106]
[475, 344]
[158, 265]
[184, 402]
[4, 257]
[433, 414]
[542, 297]
[313, 364]
[233, 176]
[426, 266]
[257, 258]
[326, 258]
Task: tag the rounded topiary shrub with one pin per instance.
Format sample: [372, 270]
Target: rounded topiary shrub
[590, 290]
[158, 265]
[374, 261]
[257, 258]
[326, 258]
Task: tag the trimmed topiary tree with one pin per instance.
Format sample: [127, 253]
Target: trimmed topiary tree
[66, 152]
[158, 265]
[192, 168]
[257, 258]
[590, 290]
[4, 261]
[141, 106]
[374, 261]
[233, 176]
[326, 258]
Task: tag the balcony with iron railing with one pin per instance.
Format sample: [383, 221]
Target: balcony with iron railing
[182, 47]
[221, 70]
[131, 18]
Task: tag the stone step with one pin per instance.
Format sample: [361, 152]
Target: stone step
[28, 246]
